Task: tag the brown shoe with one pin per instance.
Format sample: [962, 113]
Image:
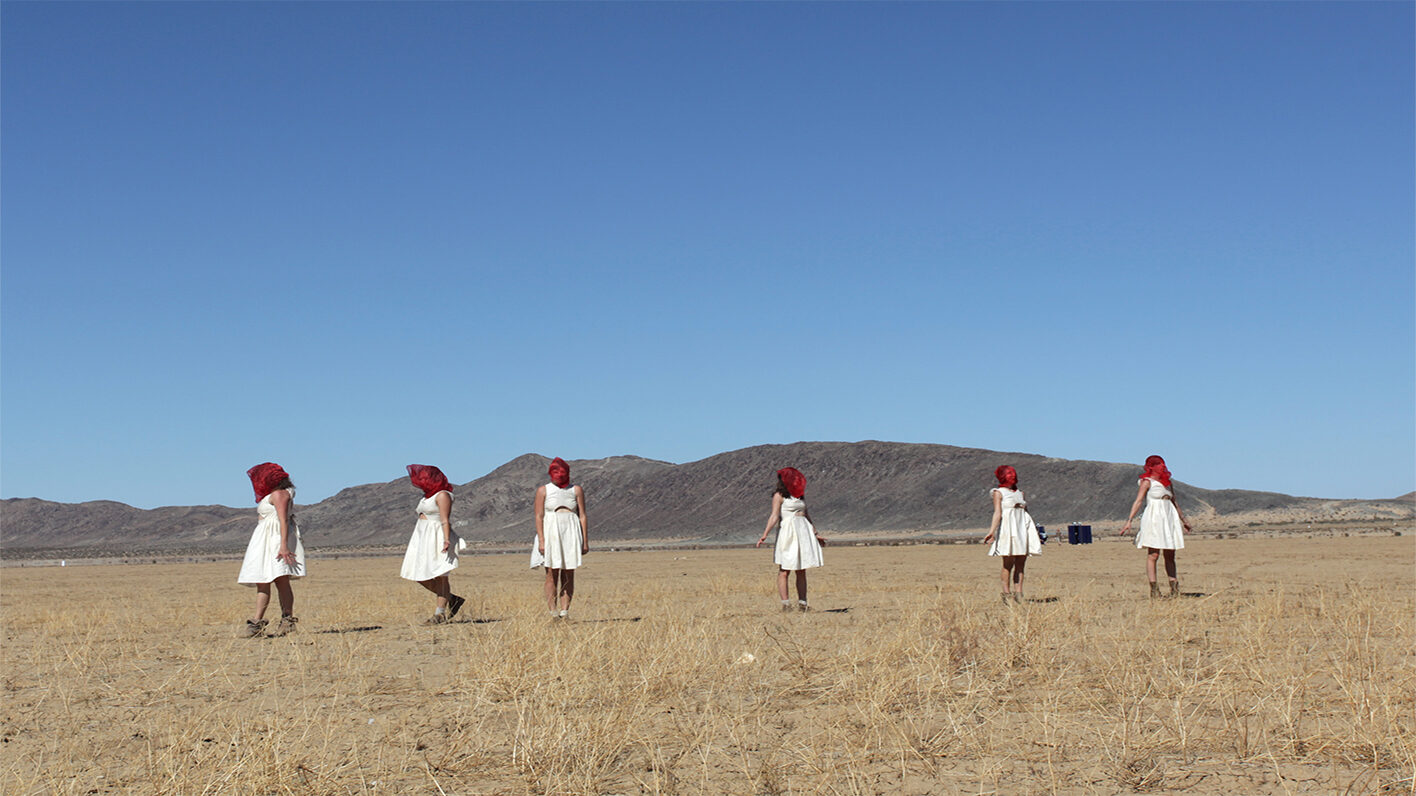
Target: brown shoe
[254, 629]
[285, 626]
[1155, 590]
[454, 604]
[436, 619]
[1174, 587]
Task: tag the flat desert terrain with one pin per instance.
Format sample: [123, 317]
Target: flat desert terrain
[1288, 667]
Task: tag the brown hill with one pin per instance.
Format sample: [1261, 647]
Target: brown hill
[852, 487]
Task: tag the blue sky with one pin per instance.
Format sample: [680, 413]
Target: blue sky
[347, 237]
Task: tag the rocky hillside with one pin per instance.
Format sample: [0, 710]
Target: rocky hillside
[852, 487]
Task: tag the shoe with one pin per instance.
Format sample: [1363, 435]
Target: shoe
[786, 608]
[436, 619]
[454, 604]
[803, 607]
[1174, 587]
[285, 626]
[1017, 596]
[1007, 598]
[1155, 590]
[254, 629]
[564, 614]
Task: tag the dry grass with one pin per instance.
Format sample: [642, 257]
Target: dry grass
[1294, 673]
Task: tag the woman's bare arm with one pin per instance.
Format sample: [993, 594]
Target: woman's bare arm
[997, 516]
[538, 507]
[444, 501]
[584, 521]
[1135, 507]
[773, 518]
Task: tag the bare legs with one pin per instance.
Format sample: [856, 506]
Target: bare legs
[283, 591]
[1012, 575]
[1152, 555]
[783, 590]
[560, 587]
[441, 587]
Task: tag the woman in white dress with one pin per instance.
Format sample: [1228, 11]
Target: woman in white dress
[1012, 532]
[270, 556]
[1163, 525]
[562, 536]
[798, 545]
[432, 551]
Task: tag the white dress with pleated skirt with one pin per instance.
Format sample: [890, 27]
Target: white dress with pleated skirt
[561, 530]
[1161, 527]
[797, 547]
[1017, 533]
[425, 558]
[261, 565]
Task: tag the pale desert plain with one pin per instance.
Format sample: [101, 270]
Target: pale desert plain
[1288, 667]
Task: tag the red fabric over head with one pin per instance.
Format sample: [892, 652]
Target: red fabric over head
[265, 478]
[560, 472]
[1155, 471]
[793, 480]
[1007, 476]
[429, 479]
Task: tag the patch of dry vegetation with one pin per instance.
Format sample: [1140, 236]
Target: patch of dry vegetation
[1293, 673]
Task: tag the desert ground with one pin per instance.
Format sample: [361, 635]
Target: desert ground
[1289, 666]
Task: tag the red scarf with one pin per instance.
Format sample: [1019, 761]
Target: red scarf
[1007, 476]
[1155, 471]
[265, 478]
[793, 480]
[560, 473]
[429, 479]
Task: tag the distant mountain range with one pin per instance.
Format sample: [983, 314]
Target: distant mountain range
[852, 487]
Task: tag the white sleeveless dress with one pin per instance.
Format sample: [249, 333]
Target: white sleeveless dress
[561, 530]
[260, 565]
[797, 547]
[1160, 524]
[1017, 533]
[425, 558]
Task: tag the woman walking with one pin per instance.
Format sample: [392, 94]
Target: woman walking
[798, 545]
[562, 536]
[1012, 532]
[432, 550]
[1163, 525]
[270, 556]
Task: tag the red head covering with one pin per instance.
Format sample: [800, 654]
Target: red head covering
[560, 472]
[793, 480]
[1155, 471]
[265, 478]
[429, 479]
[1007, 476]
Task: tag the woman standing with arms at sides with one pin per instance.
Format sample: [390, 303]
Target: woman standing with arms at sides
[270, 557]
[1012, 531]
[432, 552]
[798, 545]
[562, 535]
[1161, 525]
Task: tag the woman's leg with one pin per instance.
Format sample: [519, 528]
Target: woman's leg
[262, 600]
[551, 589]
[801, 586]
[439, 587]
[1151, 555]
[1171, 572]
[286, 595]
[1005, 575]
[567, 588]
[782, 592]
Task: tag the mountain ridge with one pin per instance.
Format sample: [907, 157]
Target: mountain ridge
[853, 487]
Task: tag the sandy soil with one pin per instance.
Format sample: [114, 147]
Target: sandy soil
[1288, 667]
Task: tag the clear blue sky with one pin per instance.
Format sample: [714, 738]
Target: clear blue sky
[347, 237]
